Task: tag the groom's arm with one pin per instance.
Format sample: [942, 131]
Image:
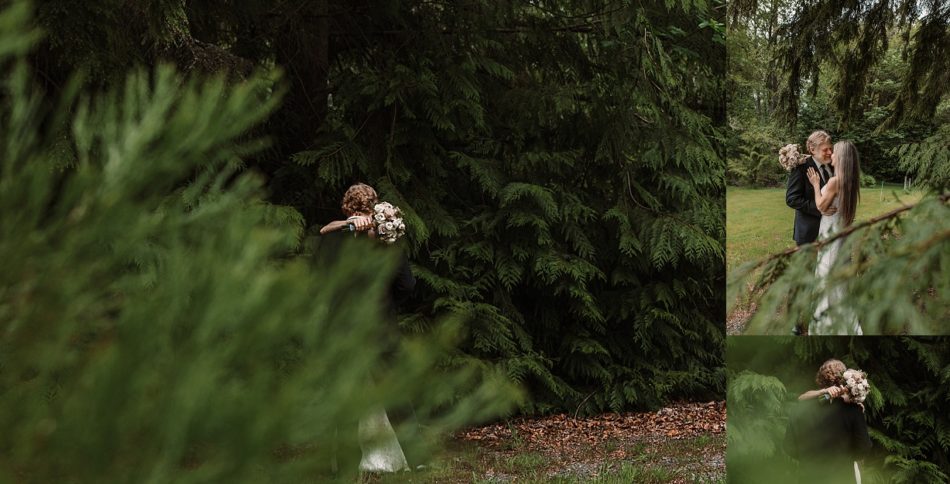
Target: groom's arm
[796, 195]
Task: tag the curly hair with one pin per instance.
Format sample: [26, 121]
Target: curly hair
[359, 199]
[830, 373]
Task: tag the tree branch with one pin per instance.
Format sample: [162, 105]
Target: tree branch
[577, 28]
[844, 233]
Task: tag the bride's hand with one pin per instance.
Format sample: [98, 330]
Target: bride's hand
[813, 176]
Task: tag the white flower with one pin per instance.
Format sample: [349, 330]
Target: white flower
[857, 384]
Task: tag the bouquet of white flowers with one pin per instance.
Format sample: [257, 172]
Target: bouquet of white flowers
[856, 382]
[789, 157]
[388, 221]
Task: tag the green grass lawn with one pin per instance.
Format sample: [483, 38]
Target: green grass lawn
[758, 222]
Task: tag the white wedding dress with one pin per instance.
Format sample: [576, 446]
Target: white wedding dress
[381, 450]
[829, 318]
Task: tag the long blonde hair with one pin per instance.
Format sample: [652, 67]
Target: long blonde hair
[848, 171]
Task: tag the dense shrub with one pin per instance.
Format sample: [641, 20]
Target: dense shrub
[155, 323]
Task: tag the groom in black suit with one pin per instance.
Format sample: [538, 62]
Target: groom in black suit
[799, 193]
[826, 438]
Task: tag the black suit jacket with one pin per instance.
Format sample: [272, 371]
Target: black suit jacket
[800, 195]
[401, 285]
[826, 438]
[400, 290]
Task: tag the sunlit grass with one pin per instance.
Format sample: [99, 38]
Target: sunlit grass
[758, 222]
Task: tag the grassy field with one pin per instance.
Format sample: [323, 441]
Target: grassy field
[758, 222]
[682, 443]
[614, 461]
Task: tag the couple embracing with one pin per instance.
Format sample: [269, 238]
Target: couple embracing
[824, 190]
[368, 217]
[827, 432]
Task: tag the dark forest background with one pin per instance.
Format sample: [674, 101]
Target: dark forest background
[560, 164]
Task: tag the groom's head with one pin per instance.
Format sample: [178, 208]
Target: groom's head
[830, 373]
[819, 145]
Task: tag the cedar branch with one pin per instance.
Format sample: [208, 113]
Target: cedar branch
[844, 233]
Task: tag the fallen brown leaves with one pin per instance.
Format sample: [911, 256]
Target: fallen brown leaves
[681, 443]
[558, 432]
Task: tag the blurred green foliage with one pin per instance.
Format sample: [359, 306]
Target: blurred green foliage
[906, 413]
[892, 274]
[559, 163]
[155, 322]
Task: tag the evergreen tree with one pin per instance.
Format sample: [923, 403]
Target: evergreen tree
[758, 43]
[559, 163]
[563, 186]
[855, 36]
[155, 324]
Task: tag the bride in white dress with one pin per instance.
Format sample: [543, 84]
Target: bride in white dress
[381, 449]
[381, 452]
[841, 191]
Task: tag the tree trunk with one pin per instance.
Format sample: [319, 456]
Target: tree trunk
[302, 50]
[771, 78]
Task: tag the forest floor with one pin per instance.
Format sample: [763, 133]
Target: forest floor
[682, 443]
[758, 224]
